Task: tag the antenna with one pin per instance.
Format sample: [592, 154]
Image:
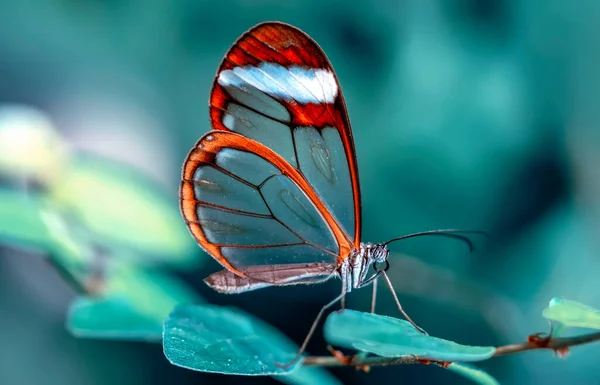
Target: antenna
[448, 233]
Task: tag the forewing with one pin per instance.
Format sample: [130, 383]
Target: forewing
[277, 87]
[247, 206]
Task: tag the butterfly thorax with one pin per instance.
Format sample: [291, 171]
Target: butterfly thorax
[356, 267]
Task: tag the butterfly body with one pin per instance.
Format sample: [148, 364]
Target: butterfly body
[352, 271]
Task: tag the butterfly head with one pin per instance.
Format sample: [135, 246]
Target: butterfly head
[378, 252]
[369, 254]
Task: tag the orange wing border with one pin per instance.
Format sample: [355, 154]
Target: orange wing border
[205, 152]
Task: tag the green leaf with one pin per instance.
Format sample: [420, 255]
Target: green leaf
[475, 374]
[572, 314]
[133, 306]
[31, 149]
[308, 376]
[70, 252]
[111, 318]
[225, 340]
[123, 208]
[116, 204]
[20, 219]
[392, 337]
[153, 293]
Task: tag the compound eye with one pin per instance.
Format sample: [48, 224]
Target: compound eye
[385, 268]
[380, 253]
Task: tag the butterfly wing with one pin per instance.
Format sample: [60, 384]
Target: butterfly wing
[260, 276]
[276, 181]
[276, 86]
[247, 206]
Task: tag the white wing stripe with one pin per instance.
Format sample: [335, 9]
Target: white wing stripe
[304, 85]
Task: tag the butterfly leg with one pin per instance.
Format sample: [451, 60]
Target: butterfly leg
[389, 283]
[346, 277]
[312, 330]
[374, 297]
[349, 360]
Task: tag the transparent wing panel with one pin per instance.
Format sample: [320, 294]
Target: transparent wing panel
[291, 206]
[247, 213]
[322, 160]
[273, 255]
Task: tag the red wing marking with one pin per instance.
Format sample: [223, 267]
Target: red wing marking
[286, 46]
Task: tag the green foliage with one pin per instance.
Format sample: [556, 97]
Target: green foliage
[225, 340]
[153, 293]
[566, 313]
[476, 375]
[308, 376]
[20, 223]
[392, 337]
[125, 301]
[98, 222]
[122, 208]
[116, 205]
[69, 250]
[134, 304]
[111, 318]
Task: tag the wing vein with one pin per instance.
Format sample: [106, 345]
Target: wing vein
[229, 174]
[232, 210]
[235, 246]
[292, 231]
[225, 110]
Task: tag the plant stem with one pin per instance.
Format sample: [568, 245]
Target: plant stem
[534, 342]
[367, 361]
[547, 343]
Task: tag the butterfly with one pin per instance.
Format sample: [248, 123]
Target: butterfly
[272, 192]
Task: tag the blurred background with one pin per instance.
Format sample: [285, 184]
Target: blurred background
[479, 114]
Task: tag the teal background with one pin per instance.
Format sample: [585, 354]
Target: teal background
[466, 113]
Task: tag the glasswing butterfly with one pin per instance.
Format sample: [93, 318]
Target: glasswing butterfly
[272, 192]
